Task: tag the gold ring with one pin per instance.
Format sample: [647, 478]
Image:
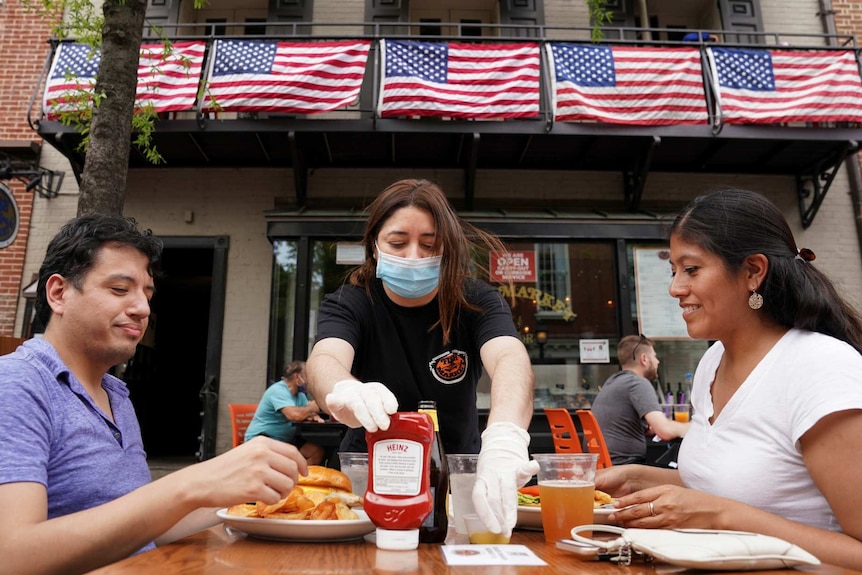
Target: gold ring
[651, 510]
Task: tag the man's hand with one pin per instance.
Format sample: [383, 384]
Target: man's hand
[358, 404]
[504, 466]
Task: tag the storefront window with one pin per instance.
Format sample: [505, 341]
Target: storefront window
[678, 354]
[283, 304]
[564, 292]
[564, 295]
[331, 263]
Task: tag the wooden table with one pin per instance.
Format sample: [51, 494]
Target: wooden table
[218, 551]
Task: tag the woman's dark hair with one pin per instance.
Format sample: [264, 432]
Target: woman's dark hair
[73, 251]
[456, 238]
[735, 224]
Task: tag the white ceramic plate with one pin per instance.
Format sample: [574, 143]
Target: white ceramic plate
[300, 530]
[530, 516]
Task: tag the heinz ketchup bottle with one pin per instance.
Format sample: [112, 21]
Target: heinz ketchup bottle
[436, 525]
[399, 497]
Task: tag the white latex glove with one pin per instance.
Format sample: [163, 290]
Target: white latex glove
[504, 466]
[358, 404]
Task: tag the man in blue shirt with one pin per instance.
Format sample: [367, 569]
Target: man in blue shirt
[283, 405]
[75, 488]
[697, 36]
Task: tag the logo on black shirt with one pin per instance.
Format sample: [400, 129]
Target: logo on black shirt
[449, 366]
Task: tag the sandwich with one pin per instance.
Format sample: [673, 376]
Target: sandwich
[324, 480]
[322, 494]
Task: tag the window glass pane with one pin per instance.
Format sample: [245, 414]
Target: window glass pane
[327, 274]
[426, 29]
[564, 292]
[216, 26]
[676, 356]
[284, 301]
[255, 26]
[467, 30]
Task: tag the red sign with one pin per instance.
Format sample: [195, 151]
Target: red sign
[513, 266]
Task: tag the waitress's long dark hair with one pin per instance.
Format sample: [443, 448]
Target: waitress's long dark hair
[735, 224]
[457, 239]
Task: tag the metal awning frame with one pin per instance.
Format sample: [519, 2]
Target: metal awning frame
[829, 145]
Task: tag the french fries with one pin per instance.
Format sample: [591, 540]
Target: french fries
[601, 498]
[300, 505]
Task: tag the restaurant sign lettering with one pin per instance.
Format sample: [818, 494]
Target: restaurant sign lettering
[544, 300]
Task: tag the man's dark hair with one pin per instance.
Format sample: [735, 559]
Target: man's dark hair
[73, 251]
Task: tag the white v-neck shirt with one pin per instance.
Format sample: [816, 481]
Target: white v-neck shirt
[751, 453]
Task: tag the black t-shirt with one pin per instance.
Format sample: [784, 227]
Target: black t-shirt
[393, 345]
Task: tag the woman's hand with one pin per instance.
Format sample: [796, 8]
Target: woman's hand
[614, 480]
[668, 506]
[622, 480]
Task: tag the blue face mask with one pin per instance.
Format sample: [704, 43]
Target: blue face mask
[409, 278]
[301, 385]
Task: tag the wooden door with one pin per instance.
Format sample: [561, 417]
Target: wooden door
[741, 16]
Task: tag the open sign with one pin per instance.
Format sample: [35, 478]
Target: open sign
[513, 266]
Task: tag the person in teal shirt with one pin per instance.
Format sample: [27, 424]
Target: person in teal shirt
[283, 405]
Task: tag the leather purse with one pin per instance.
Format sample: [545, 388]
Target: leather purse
[698, 548]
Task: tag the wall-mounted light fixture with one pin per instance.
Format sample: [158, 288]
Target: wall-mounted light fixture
[541, 338]
[45, 182]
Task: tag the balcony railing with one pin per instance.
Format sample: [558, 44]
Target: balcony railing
[702, 133]
[727, 71]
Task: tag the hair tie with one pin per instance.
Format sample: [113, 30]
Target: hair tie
[806, 255]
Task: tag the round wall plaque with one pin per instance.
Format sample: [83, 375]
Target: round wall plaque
[9, 218]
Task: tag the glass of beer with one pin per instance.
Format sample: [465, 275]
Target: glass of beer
[567, 483]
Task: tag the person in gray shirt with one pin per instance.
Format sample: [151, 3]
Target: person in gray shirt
[627, 406]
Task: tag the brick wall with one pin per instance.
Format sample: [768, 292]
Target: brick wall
[23, 45]
[848, 16]
[848, 20]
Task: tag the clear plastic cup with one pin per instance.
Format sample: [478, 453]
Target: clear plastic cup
[567, 483]
[355, 466]
[479, 534]
[462, 476]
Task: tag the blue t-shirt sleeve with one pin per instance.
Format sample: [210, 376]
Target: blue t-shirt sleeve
[25, 424]
[281, 397]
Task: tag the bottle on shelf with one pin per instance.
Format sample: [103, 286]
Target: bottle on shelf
[681, 395]
[436, 525]
[399, 500]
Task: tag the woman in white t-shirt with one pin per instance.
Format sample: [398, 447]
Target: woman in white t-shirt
[774, 445]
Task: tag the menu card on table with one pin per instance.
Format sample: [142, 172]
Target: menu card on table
[490, 555]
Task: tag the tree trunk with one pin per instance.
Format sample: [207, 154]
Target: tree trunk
[103, 182]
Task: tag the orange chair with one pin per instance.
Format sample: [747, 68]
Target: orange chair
[241, 415]
[563, 430]
[593, 438]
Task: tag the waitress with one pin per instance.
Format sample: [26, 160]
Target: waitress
[411, 324]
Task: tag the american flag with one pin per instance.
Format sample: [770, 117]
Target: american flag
[287, 77]
[758, 86]
[169, 80]
[627, 85]
[460, 80]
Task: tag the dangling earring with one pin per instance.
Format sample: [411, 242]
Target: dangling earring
[755, 300]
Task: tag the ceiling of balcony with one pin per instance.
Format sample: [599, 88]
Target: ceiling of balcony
[528, 145]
